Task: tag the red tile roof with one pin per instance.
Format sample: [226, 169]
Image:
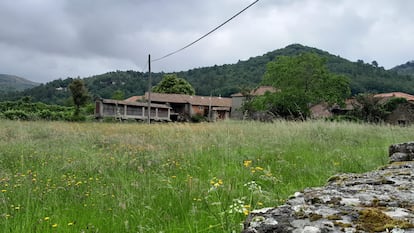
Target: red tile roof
[395, 95]
[180, 98]
[258, 91]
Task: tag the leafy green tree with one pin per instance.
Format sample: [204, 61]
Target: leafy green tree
[118, 95]
[172, 84]
[80, 94]
[303, 80]
[369, 108]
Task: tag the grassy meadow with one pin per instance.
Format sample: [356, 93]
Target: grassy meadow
[124, 177]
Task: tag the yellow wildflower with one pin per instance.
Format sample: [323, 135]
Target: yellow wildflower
[216, 182]
[55, 225]
[3, 190]
[46, 218]
[247, 163]
[259, 168]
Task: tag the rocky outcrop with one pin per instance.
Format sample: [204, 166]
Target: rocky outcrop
[377, 201]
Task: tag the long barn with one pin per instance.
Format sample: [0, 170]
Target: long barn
[124, 110]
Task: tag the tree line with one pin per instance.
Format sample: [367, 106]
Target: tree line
[224, 80]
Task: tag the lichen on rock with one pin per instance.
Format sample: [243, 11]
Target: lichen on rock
[376, 201]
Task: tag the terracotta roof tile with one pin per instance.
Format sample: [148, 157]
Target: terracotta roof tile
[258, 91]
[180, 98]
[396, 95]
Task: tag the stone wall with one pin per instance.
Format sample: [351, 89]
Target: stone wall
[377, 201]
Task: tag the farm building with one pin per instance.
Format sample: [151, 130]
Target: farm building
[324, 110]
[238, 100]
[403, 114]
[185, 107]
[124, 110]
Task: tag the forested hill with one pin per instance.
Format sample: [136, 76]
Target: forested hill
[405, 69]
[226, 79]
[14, 83]
[365, 77]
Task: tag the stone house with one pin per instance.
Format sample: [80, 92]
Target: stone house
[323, 110]
[404, 113]
[238, 100]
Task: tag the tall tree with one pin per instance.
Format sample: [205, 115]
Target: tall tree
[172, 84]
[303, 80]
[80, 94]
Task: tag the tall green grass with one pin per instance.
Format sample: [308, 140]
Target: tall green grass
[100, 177]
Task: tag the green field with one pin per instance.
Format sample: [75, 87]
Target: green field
[114, 177]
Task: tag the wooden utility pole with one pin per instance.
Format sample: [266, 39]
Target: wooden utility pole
[149, 88]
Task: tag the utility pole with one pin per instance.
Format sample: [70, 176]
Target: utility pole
[209, 109]
[149, 89]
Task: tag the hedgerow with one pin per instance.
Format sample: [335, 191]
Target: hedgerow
[23, 110]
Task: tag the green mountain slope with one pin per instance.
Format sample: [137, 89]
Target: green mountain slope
[226, 79]
[405, 69]
[9, 83]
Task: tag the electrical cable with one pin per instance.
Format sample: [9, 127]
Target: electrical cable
[205, 35]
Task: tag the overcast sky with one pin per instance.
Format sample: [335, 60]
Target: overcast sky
[43, 40]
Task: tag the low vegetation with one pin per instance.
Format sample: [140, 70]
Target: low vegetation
[24, 109]
[99, 177]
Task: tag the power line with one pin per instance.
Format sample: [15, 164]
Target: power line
[205, 35]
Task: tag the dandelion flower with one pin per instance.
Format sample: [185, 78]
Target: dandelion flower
[55, 225]
[3, 190]
[46, 218]
[70, 224]
[247, 163]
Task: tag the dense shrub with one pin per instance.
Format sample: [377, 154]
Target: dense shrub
[393, 103]
[24, 110]
[198, 118]
[16, 115]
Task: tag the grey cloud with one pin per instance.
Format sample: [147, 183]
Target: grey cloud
[47, 39]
